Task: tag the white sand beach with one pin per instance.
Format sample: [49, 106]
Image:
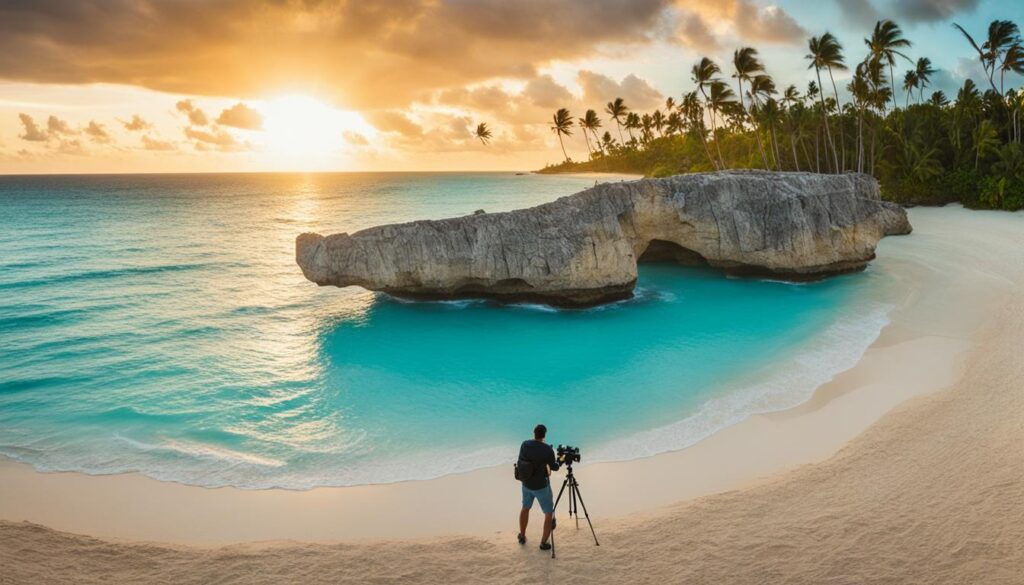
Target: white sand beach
[907, 468]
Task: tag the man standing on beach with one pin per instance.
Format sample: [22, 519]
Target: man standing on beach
[541, 457]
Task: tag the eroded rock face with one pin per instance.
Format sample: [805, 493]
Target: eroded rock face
[583, 249]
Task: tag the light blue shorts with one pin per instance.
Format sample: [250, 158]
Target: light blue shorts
[543, 496]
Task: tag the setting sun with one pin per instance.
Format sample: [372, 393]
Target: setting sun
[299, 127]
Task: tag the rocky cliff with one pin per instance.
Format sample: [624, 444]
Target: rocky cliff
[583, 249]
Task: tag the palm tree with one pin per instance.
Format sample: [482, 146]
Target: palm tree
[910, 83]
[860, 89]
[694, 113]
[916, 161]
[762, 87]
[617, 110]
[674, 123]
[924, 72]
[884, 46]
[658, 121]
[1002, 34]
[670, 105]
[939, 99]
[880, 94]
[607, 142]
[790, 98]
[632, 123]
[483, 133]
[586, 137]
[771, 113]
[1013, 61]
[646, 124]
[561, 125]
[827, 53]
[704, 74]
[719, 97]
[590, 122]
[746, 65]
[1010, 163]
[985, 140]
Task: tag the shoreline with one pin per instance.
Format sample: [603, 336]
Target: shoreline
[920, 352]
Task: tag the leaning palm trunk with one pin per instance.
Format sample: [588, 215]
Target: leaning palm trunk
[817, 150]
[760, 144]
[796, 159]
[874, 134]
[892, 80]
[597, 141]
[560, 143]
[714, 136]
[707, 151]
[839, 107]
[753, 121]
[775, 148]
[807, 155]
[860, 139]
[824, 115]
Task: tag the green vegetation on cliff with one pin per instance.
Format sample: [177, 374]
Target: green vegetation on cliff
[926, 151]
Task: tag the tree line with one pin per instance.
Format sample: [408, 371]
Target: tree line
[924, 147]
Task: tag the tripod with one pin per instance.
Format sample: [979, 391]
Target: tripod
[575, 497]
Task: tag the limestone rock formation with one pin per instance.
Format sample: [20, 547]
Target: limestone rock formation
[583, 249]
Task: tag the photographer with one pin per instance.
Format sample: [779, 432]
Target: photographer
[539, 458]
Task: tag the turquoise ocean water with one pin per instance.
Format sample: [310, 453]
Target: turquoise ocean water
[159, 324]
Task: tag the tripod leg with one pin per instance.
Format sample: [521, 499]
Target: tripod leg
[553, 510]
[575, 507]
[585, 514]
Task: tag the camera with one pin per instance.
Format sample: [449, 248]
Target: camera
[568, 454]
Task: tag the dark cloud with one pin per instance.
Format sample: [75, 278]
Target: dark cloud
[768, 23]
[241, 116]
[750, 19]
[933, 10]
[693, 32]
[196, 116]
[150, 143]
[250, 47]
[860, 13]
[32, 131]
[136, 124]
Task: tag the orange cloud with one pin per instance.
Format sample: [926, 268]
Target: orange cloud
[150, 143]
[136, 124]
[241, 116]
[637, 93]
[195, 115]
[360, 54]
[98, 133]
[32, 131]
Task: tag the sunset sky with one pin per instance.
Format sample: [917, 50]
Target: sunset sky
[263, 85]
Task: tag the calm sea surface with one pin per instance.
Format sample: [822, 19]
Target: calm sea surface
[159, 324]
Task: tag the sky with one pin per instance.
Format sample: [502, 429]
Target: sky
[128, 86]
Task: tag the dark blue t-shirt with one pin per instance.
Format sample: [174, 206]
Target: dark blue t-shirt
[542, 456]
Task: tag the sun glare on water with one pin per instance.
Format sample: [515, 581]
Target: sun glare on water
[303, 132]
